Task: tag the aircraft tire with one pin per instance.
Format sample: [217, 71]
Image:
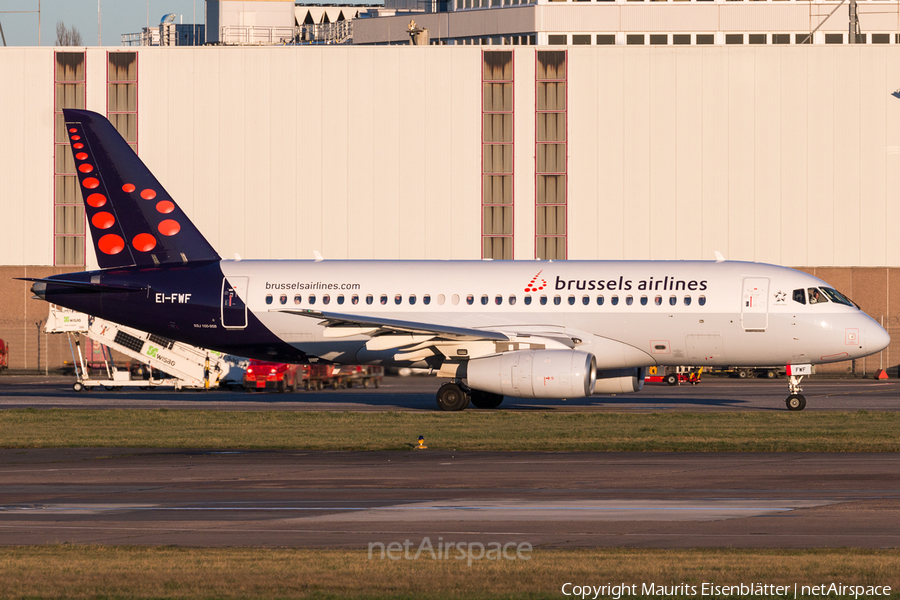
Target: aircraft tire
[486, 399]
[672, 379]
[451, 397]
[795, 402]
[77, 386]
[770, 374]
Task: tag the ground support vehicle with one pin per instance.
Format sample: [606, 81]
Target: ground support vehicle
[262, 375]
[361, 375]
[183, 366]
[748, 372]
[674, 375]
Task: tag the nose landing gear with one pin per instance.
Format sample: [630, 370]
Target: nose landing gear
[795, 401]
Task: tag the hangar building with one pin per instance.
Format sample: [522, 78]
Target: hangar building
[781, 154]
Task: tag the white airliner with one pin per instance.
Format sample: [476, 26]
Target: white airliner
[528, 329]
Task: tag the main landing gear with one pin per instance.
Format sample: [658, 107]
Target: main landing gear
[795, 401]
[455, 395]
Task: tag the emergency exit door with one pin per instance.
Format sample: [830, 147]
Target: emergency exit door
[755, 310]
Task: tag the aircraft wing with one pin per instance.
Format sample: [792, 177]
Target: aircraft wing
[356, 324]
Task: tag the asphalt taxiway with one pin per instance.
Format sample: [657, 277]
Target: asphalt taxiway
[338, 499]
[417, 394]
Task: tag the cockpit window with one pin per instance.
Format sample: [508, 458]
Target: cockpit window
[837, 297]
[800, 296]
[816, 296]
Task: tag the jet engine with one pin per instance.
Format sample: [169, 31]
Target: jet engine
[620, 381]
[534, 373]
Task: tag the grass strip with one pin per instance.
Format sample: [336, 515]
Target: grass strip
[87, 572]
[469, 430]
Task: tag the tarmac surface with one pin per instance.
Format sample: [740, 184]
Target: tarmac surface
[354, 499]
[417, 394]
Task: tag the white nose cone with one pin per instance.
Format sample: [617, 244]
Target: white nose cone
[877, 339]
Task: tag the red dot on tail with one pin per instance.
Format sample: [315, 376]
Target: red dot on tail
[96, 200]
[111, 244]
[85, 168]
[144, 242]
[72, 130]
[128, 187]
[148, 194]
[81, 156]
[78, 146]
[76, 137]
[165, 206]
[103, 220]
[169, 227]
[91, 183]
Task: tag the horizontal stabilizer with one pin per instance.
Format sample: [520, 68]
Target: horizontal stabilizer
[94, 287]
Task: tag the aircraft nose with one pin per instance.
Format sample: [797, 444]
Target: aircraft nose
[877, 339]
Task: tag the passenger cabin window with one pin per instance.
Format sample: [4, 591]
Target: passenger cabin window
[426, 299]
[470, 299]
[412, 298]
[585, 300]
[268, 298]
[340, 299]
[484, 300]
[687, 300]
[673, 300]
[283, 299]
[527, 300]
[383, 299]
[571, 300]
[599, 300]
[557, 300]
[643, 300]
[543, 300]
[701, 300]
[816, 296]
[312, 299]
[498, 299]
[629, 300]
[298, 299]
[614, 300]
[354, 299]
[326, 299]
[369, 299]
[398, 299]
[512, 300]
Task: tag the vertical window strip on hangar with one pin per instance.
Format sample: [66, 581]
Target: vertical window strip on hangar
[68, 218]
[497, 151]
[121, 96]
[550, 154]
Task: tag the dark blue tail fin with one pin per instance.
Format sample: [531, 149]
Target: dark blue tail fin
[133, 221]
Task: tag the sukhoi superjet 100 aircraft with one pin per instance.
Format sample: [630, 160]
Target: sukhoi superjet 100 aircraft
[529, 329]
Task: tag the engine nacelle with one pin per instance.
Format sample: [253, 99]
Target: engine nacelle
[620, 381]
[534, 373]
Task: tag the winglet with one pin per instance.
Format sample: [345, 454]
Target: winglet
[319, 257]
[719, 257]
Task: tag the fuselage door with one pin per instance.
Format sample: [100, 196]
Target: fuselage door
[234, 309]
[754, 307]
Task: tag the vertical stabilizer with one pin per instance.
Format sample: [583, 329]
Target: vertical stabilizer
[133, 220]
